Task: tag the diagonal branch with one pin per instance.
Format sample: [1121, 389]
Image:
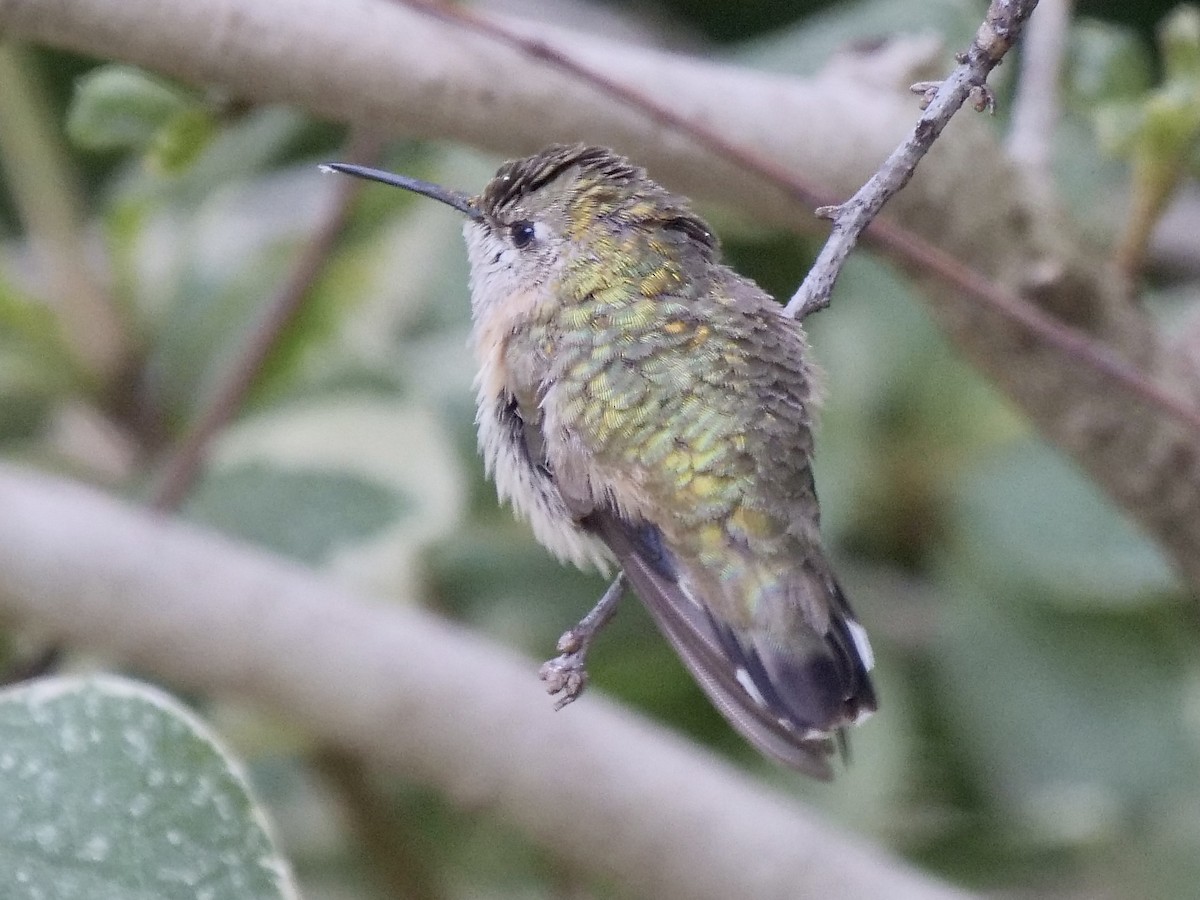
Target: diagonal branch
[995, 37]
[602, 788]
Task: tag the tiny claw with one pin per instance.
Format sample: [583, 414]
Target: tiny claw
[564, 676]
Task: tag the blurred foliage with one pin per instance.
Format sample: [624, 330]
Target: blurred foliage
[807, 46]
[120, 108]
[1158, 131]
[1040, 727]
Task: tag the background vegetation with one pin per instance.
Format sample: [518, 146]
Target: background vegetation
[1040, 726]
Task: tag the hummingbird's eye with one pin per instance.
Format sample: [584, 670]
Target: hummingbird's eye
[521, 233]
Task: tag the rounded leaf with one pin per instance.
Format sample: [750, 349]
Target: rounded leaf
[113, 791]
[122, 108]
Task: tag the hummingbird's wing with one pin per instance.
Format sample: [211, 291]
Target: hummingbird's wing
[791, 671]
[713, 656]
[706, 650]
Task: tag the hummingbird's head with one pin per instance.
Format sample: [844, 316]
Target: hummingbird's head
[573, 212]
[574, 209]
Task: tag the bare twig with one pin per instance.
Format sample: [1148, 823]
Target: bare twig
[995, 37]
[603, 789]
[183, 465]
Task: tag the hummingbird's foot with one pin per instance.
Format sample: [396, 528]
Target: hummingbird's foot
[566, 674]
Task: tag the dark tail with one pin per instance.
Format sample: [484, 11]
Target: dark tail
[790, 702]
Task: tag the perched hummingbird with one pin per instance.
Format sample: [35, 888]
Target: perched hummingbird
[638, 401]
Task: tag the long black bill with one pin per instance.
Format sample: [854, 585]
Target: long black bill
[458, 200]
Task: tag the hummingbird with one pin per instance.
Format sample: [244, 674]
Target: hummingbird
[641, 403]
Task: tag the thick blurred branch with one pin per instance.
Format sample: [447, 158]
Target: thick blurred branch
[1036, 106]
[381, 64]
[598, 786]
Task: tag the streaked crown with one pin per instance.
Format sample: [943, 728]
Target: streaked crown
[588, 186]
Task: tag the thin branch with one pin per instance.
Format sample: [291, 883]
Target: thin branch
[1000, 29]
[1072, 341]
[794, 186]
[184, 463]
[602, 788]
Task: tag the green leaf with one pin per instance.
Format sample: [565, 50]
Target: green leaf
[359, 483]
[36, 366]
[1031, 521]
[1106, 63]
[33, 326]
[1078, 719]
[183, 138]
[1179, 38]
[119, 107]
[1160, 130]
[808, 45]
[113, 791]
[240, 150]
[306, 514]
